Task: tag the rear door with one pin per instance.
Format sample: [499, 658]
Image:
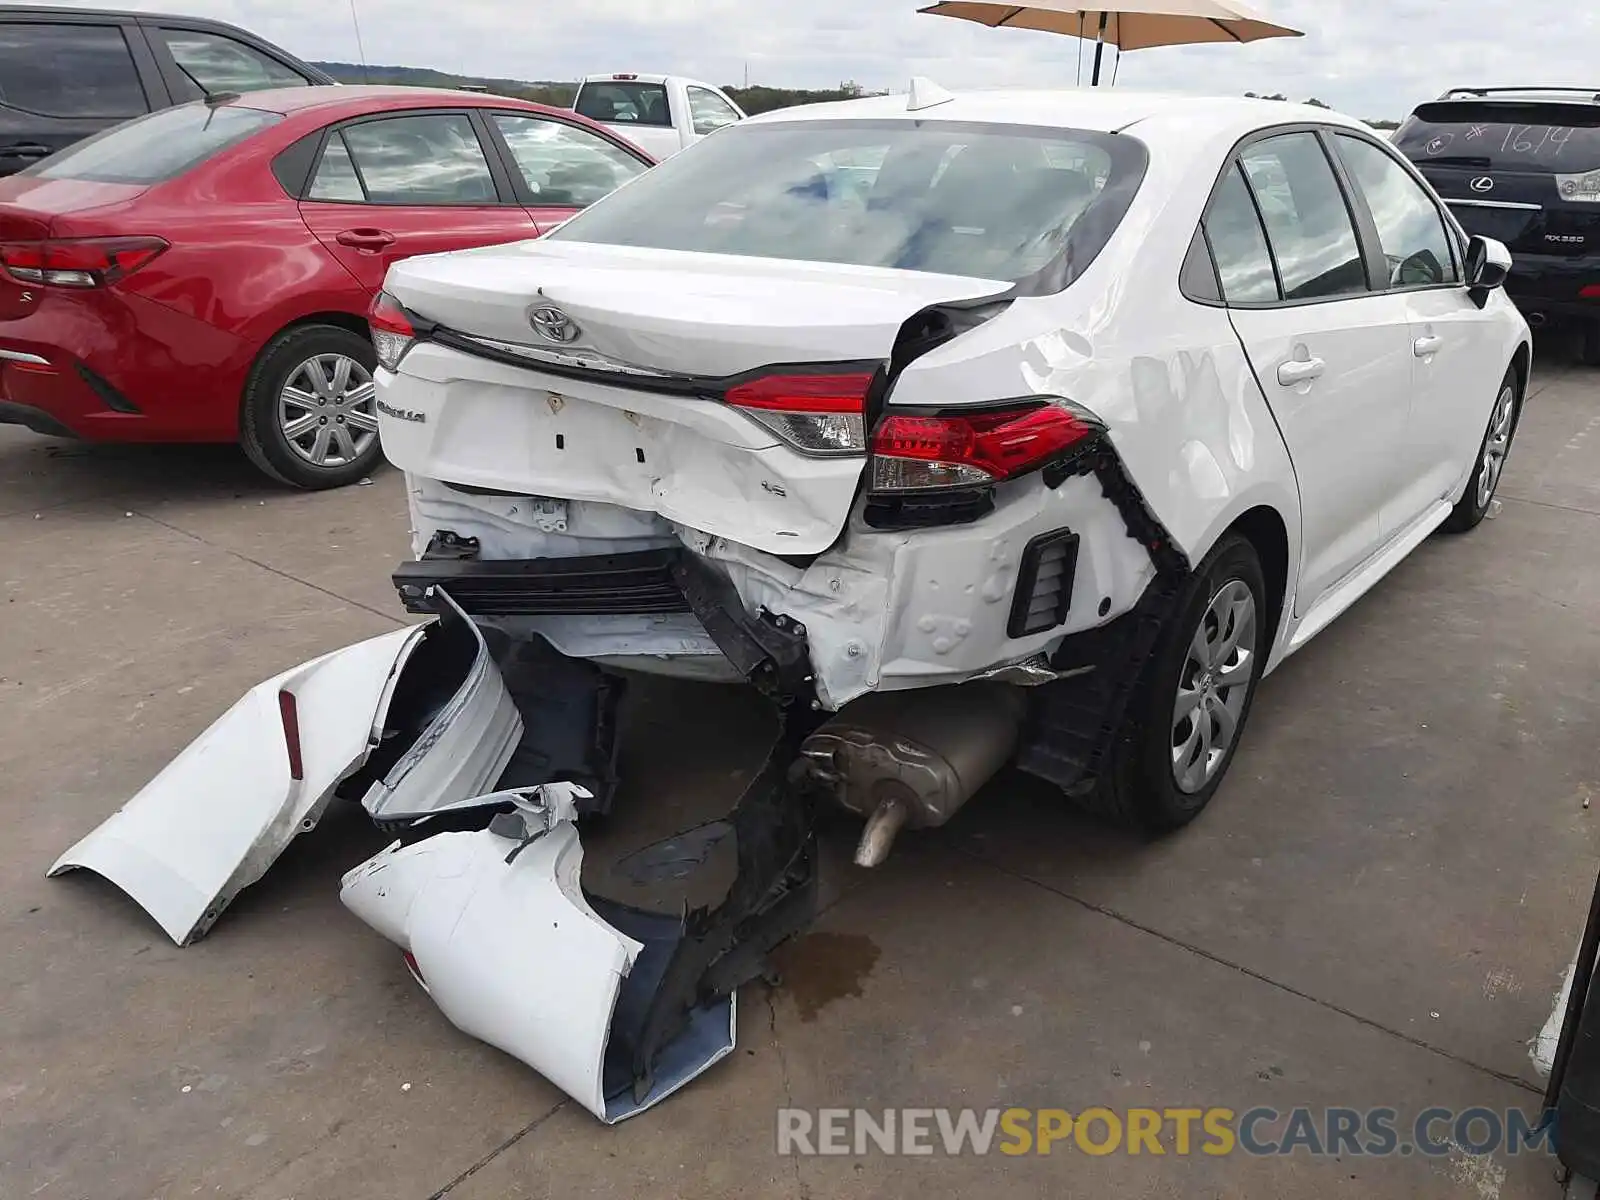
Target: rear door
[1333, 356]
[560, 168]
[1525, 172]
[401, 184]
[61, 81]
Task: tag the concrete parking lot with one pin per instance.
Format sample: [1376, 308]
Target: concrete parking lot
[1375, 913]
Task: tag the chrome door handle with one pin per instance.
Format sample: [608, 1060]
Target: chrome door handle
[1425, 346]
[1297, 371]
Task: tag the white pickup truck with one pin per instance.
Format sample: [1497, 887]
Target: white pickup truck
[661, 114]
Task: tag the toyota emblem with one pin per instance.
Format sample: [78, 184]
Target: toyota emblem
[1483, 184]
[553, 325]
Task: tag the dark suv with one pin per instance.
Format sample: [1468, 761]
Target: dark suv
[68, 72]
[1522, 165]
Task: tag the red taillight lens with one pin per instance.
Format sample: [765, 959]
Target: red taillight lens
[78, 262]
[816, 414]
[921, 453]
[1590, 291]
[392, 331]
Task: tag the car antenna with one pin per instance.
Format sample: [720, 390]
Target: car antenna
[213, 100]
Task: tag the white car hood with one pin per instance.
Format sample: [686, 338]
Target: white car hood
[218, 815]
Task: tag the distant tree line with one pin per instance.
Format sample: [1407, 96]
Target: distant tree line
[1315, 103]
[758, 98]
[755, 99]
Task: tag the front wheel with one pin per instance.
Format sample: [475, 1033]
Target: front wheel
[1186, 719]
[1491, 461]
[310, 411]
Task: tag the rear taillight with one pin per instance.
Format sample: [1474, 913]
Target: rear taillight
[816, 414]
[919, 453]
[392, 331]
[78, 262]
[1590, 291]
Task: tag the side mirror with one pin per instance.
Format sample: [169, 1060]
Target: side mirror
[1488, 264]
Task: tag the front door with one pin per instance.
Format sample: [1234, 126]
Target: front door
[415, 183]
[1456, 368]
[1333, 357]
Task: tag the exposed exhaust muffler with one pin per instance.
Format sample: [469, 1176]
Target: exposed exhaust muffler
[912, 758]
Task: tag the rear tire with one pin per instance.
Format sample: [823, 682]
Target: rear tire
[1189, 712]
[309, 414]
[1474, 504]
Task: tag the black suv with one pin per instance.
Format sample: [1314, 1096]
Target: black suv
[1522, 165]
[68, 72]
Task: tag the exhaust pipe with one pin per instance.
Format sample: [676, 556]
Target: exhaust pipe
[912, 758]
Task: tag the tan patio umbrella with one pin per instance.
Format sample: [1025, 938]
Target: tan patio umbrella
[1132, 25]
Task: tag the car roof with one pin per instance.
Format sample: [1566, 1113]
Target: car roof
[123, 14]
[1488, 95]
[379, 97]
[1108, 110]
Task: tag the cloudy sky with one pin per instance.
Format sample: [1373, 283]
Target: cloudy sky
[1374, 58]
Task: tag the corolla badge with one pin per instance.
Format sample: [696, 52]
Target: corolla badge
[1482, 184]
[553, 325]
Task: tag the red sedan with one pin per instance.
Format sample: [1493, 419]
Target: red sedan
[203, 274]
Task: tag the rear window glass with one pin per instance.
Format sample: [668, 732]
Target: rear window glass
[624, 103]
[1558, 139]
[988, 201]
[163, 145]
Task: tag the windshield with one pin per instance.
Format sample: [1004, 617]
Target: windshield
[157, 147]
[1535, 136]
[987, 201]
[624, 103]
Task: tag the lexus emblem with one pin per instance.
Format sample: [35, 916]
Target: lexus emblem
[1482, 184]
[553, 325]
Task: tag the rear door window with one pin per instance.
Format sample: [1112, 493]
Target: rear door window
[709, 111]
[564, 166]
[69, 70]
[423, 159]
[160, 146]
[1514, 136]
[212, 62]
[1308, 224]
[624, 102]
[1239, 244]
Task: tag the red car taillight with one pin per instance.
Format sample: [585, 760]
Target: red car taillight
[914, 454]
[78, 262]
[816, 414]
[392, 331]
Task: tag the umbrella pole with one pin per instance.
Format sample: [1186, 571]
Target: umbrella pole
[1099, 49]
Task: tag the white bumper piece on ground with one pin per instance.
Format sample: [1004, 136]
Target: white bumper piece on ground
[218, 815]
[499, 933]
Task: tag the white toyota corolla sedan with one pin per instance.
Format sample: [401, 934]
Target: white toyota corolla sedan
[1025, 429]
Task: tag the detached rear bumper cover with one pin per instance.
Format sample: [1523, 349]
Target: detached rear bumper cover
[220, 814]
[507, 946]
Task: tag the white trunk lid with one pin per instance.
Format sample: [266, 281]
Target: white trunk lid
[657, 336]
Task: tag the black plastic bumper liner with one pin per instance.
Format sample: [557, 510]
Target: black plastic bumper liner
[640, 582]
